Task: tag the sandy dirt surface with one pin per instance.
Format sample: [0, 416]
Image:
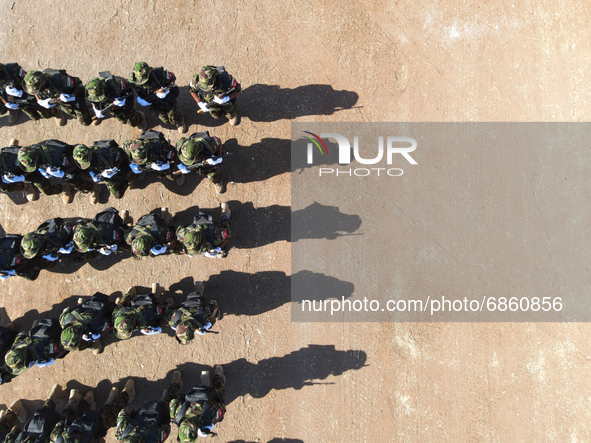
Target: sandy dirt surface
[311, 61]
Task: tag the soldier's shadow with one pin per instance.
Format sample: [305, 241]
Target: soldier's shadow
[269, 103]
[241, 293]
[254, 227]
[296, 370]
[269, 158]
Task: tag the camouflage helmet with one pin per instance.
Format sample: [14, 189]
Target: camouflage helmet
[83, 156]
[124, 323]
[34, 82]
[191, 239]
[16, 360]
[206, 78]
[96, 90]
[28, 156]
[137, 151]
[141, 73]
[189, 150]
[188, 431]
[31, 244]
[140, 246]
[185, 331]
[72, 336]
[83, 238]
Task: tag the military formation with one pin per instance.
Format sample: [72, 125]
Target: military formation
[52, 93]
[53, 167]
[77, 240]
[195, 414]
[89, 322]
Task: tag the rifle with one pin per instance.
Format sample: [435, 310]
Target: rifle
[209, 104]
[203, 164]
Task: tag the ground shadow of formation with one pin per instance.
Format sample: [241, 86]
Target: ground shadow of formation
[253, 227]
[269, 158]
[292, 371]
[241, 293]
[268, 103]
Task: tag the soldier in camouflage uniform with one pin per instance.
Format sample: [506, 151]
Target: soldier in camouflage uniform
[155, 88]
[13, 96]
[91, 426]
[202, 152]
[135, 312]
[151, 423]
[55, 88]
[106, 163]
[53, 241]
[152, 152]
[197, 412]
[15, 178]
[9, 421]
[55, 159]
[196, 315]
[113, 94]
[203, 237]
[104, 234]
[40, 425]
[12, 262]
[83, 325]
[7, 336]
[40, 346]
[152, 235]
[215, 91]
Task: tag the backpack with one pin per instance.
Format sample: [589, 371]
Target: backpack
[98, 305]
[55, 153]
[107, 152]
[109, 224]
[151, 311]
[9, 161]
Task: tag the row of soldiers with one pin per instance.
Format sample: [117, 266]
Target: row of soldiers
[82, 326]
[54, 167]
[77, 240]
[53, 93]
[195, 413]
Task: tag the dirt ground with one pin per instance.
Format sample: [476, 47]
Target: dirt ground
[311, 61]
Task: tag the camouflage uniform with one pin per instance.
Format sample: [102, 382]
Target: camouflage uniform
[40, 346]
[12, 93]
[150, 236]
[151, 152]
[155, 88]
[38, 428]
[15, 178]
[195, 315]
[151, 423]
[85, 323]
[135, 312]
[12, 262]
[52, 240]
[203, 236]
[91, 425]
[211, 82]
[54, 159]
[9, 426]
[106, 163]
[115, 94]
[199, 410]
[104, 234]
[7, 337]
[55, 88]
[198, 148]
